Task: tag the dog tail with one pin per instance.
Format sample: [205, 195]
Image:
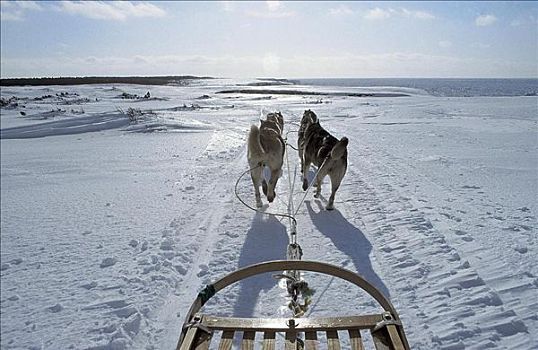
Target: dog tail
[339, 149]
[254, 145]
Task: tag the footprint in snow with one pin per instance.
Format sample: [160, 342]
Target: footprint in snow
[204, 269]
[108, 262]
[144, 246]
[167, 244]
[521, 249]
[231, 234]
[471, 187]
[56, 308]
[16, 261]
[180, 269]
[90, 285]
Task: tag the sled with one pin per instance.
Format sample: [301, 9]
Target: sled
[292, 333]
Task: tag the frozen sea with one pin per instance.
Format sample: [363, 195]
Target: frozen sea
[111, 225]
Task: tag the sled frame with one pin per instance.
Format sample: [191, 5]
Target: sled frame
[298, 333]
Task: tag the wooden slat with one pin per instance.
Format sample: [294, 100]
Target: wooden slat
[311, 341]
[291, 340]
[189, 339]
[248, 340]
[268, 341]
[333, 343]
[355, 339]
[395, 337]
[226, 340]
[303, 324]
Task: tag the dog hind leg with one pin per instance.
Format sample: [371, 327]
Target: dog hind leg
[264, 187]
[304, 169]
[256, 175]
[322, 172]
[336, 180]
[272, 185]
[318, 181]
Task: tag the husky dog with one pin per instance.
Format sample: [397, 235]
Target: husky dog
[266, 148]
[317, 146]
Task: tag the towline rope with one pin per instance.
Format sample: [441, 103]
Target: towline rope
[255, 209]
[294, 283]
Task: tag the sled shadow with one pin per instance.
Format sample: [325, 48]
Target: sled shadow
[349, 240]
[266, 240]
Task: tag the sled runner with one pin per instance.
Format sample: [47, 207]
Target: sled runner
[295, 333]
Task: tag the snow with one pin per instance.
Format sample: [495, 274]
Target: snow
[110, 227]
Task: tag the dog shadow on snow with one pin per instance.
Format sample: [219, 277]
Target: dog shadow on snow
[348, 239]
[266, 240]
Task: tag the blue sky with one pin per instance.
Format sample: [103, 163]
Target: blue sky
[270, 39]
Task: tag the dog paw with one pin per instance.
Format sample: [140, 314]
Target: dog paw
[305, 185]
[329, 207]
[259, 204]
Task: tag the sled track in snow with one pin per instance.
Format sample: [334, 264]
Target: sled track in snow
[200, 229]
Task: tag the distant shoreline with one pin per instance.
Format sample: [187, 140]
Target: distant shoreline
[153, 80]
[314, 93]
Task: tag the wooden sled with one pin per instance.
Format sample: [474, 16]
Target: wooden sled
[385, 327]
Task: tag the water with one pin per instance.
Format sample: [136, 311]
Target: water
[441, 87]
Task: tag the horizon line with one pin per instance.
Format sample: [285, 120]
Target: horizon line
[192, 76]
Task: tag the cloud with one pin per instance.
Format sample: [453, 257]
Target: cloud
[270, 9]
[392, 64]
[485, 20]
[445, 44]
[270, 14]
[417, 14]
[274, 9]
[377, 14]
[11, 16]
[227, 6]
[29, 5]
[380, 14]
[273, 5]
[341, 10]
[117, 10]
[15, 10]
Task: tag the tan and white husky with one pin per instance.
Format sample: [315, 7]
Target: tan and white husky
[266, 149]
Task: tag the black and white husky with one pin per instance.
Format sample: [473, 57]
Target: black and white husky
[266, 148]
[325, 151]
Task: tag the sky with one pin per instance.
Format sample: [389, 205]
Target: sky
[270, 39]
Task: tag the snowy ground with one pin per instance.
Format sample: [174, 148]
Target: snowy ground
[109, 227]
